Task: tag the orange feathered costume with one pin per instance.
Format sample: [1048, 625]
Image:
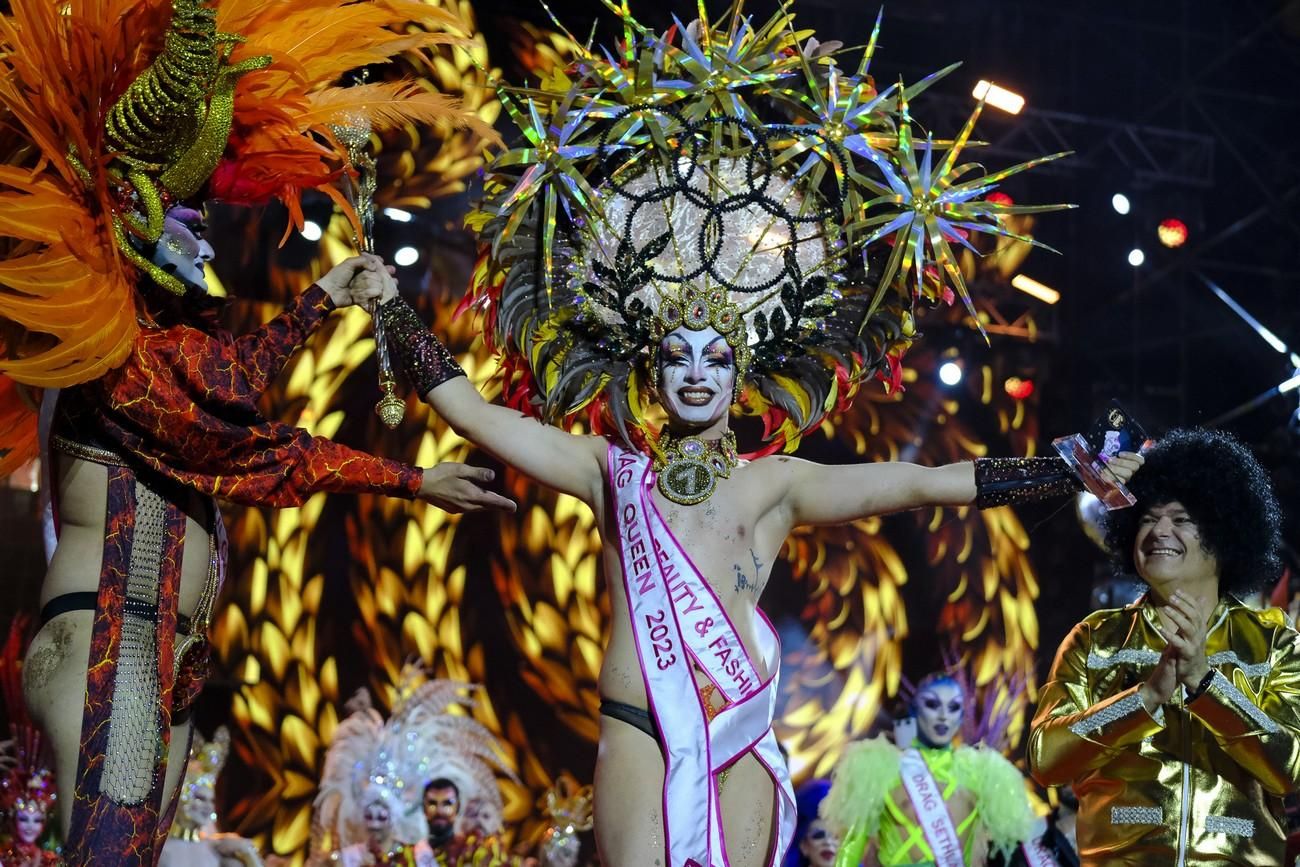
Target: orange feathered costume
[115, 112]
[68, 286]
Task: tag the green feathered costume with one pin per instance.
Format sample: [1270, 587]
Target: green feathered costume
[867, 802]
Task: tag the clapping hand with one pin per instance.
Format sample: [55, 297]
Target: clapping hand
[1183, 660]
[1188, 640]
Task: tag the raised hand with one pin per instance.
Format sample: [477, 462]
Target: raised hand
[1123, 466]
[454, 487]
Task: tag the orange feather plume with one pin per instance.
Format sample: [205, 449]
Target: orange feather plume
[68, 298]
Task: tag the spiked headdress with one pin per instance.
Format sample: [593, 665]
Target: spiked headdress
[728, 175]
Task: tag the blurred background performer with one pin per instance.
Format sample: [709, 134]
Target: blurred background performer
[928, 801]
[653, 241]
[1177, 719]
[122, 117]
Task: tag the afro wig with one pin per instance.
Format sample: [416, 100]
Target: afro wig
[1226, 492]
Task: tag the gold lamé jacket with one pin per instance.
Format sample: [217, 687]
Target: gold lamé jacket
[1197, 782]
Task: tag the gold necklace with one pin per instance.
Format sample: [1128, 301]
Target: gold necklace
[689, 468]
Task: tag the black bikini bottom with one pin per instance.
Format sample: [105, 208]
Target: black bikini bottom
[88, 599]
[632, 715]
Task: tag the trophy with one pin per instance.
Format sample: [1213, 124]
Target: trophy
[355, 136]
[1114, 432]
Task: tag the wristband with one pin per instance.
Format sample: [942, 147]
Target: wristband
[426, 361]
[1006, 481]
[1202, 686]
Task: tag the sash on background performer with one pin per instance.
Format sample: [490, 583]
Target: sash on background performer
[653, 239]
[122, 118]
[928, 802]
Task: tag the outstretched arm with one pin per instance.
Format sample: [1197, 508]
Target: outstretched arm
[821, 494]
[568, 463]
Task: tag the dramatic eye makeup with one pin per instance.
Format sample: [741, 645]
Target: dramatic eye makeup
[719, 352]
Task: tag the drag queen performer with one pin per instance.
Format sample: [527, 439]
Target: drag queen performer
[121, 117]
[657, 239]
[194, 840]
[27, 795]
[369, 809]
[881, 801]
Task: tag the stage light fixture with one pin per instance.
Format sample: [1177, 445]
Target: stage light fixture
[1018, 388]
[1172, 232]
[312, 231]
[406, 256]
[1136, 257]
[999, 97]
[1030, 286]
[1120, 203]
[950, 373]
[397, 215]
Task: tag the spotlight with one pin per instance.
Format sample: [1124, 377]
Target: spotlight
[999, 97]
[311, 230]
[1172, 232]
[1120, 203]
[1136, 257]
[997, 197]
[1030, 286]
[950, 373]
[397, 215]
[406, 256]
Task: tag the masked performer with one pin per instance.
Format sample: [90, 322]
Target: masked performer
[928, 802]
[120, 117]
[27, 794]
[658, 238]
[1177, 719]
[194, 840]
[370, 809]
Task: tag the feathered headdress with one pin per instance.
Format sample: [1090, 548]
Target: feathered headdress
[729, 175]
[371, 759]
[207, 758]
[114, 109]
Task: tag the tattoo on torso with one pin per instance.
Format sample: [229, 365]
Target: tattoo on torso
[744, 581]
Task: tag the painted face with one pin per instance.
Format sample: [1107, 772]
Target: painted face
[1167, 549]
[181, 250]
[377, 818]
[200, 810]
[440, 809]
[28, 826]
[697, 376]
[939, 710]
[819, 845]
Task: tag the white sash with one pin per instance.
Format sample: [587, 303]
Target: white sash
[678, 620]
[1036, 854]
[930, 809]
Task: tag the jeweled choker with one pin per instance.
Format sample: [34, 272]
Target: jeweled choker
[689, 468]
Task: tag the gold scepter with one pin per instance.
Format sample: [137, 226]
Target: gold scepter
[355, 136]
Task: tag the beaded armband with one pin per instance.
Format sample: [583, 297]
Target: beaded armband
[426, 361]
[1006, 481]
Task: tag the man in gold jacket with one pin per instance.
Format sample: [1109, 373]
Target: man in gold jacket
[1177, 720]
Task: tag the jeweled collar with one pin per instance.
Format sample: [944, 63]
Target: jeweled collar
[689, 468]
